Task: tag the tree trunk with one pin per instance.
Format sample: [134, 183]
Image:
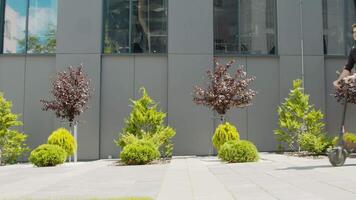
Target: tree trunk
[222, 119]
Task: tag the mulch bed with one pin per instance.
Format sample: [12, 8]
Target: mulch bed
[304, 154]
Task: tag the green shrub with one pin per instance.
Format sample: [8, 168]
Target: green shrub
[139, 153]
[147, 122]
[126, 139]
[48, 155]
[350, 137]
[144, 117]
[238, 151]
[296, 117]
[64, 139]
[223, 133]
[316, 144]
[162, 140]
[350, 141]
[311, 143]
[11, 141]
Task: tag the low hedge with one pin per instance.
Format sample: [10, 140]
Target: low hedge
[139, 153]
[47, 155]
[238, 151]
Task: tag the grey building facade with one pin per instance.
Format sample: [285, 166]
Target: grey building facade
[170, 76]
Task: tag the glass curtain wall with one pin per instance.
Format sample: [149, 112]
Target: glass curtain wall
[245, 27]
[351, 19]
[135, 26]
[338, 16]
[30, 26]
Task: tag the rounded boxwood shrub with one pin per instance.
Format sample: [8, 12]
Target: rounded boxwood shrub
[139, 153]
[48, 155]
[64, 139]
[350, 141]
[238, 151]
[223, 133]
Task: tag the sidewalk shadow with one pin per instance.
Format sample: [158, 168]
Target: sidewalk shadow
[315, 167]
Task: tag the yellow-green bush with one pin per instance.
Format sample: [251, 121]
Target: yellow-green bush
[48, 155]
[350, 137]
[12, 142]
[316, 144]
[64, 139]
[139, 153]
[223, 133]
[350, 141]
[146, 122]
[238, 151]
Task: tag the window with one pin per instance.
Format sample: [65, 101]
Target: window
[30, 26]
[135, 26]
[338, 16]
[245, 27]
[351, 19]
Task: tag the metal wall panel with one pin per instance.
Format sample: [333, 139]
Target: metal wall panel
[79, 26]
[190, 31]
[151, 73]
[262, 115]
[313, 20]
[194, 124]
[315, 80]
[117, 90]
[290, 69]
[288, 23]
[38, 124]
[12, 77]
[190, 53]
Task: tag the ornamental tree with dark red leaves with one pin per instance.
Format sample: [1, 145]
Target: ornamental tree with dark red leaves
[223, 91]
[71, 91]
[347, 88]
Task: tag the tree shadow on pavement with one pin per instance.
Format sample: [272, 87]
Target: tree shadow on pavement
[315, 167]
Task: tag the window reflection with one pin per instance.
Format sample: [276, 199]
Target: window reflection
[245, 26]
[117, 25]
[333, 27]
[136, 26]
[338, 17]
[42, 26]
[351, 19]
[15, 26]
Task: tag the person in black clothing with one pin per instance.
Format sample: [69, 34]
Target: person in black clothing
[346, 72]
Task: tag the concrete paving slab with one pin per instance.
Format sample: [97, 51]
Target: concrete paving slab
[274, 177]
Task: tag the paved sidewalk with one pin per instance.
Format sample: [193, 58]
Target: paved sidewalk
[275, 177]
[96, 179]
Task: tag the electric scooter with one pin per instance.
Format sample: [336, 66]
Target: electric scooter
[338, 154]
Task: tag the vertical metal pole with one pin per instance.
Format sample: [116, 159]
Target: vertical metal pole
[302, 39]
[76, 139]
[302, 51]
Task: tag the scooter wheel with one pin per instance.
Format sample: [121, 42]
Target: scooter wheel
[337, 156]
